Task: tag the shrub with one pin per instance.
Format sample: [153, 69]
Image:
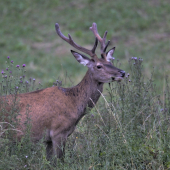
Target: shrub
[17, 154]
[129, 129]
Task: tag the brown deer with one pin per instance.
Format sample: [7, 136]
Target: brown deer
[56, 110]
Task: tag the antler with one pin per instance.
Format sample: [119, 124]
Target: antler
[72, 43]
[101, 40]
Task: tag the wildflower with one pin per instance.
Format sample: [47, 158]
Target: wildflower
[5, 76]
[26, 156]
[128, 74]
[23, 65]
[17, 66]
[33, 79]
[132, 58]
[2, 72]
[10, 72]
[12, 61]
[129, 80]
[135, 58]
[8, 57]
[26, 82]
[7, 69]
[20, 77]
[16, 87]
[162, 110]
[23, 76]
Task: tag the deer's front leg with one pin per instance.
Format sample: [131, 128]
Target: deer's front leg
[49, 149]
[59, 142]
[59, 138]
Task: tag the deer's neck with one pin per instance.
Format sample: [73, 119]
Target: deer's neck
[89, 90]
[86, 93]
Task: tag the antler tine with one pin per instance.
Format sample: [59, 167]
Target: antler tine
[72, 43]
[108, 42]
[101, 40]
[95, 46]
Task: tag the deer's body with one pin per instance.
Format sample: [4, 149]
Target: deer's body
[55, 111]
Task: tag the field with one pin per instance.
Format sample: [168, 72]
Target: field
[130, 127]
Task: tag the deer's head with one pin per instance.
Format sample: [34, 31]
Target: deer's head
[102, 68]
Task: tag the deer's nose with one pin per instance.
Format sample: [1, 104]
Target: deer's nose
[123, 73]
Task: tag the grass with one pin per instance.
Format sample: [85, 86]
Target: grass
[130, 130]
[136, 28]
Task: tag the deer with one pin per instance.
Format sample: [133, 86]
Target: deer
[55, 111]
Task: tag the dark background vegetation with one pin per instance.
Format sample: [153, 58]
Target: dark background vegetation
[137, 29]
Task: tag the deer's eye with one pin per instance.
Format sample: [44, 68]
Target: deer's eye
[99, 67]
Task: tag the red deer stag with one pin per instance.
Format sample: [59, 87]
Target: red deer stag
[56, 110]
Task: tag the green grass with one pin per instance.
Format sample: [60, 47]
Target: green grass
[130, 130]
[136, 28]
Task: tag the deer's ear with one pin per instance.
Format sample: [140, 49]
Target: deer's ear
[82, 59]
[109, 55]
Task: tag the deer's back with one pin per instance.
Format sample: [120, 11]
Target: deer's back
[48, 108]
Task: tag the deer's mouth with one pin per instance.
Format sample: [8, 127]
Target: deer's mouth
[117, 78]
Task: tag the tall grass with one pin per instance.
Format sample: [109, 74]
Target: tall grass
[128, 129]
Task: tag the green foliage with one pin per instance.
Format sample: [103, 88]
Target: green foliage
[14, 80]
[129, 130]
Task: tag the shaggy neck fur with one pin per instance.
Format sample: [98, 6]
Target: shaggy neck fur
[86, 93]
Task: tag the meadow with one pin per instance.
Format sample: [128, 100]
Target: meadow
[129, 128]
